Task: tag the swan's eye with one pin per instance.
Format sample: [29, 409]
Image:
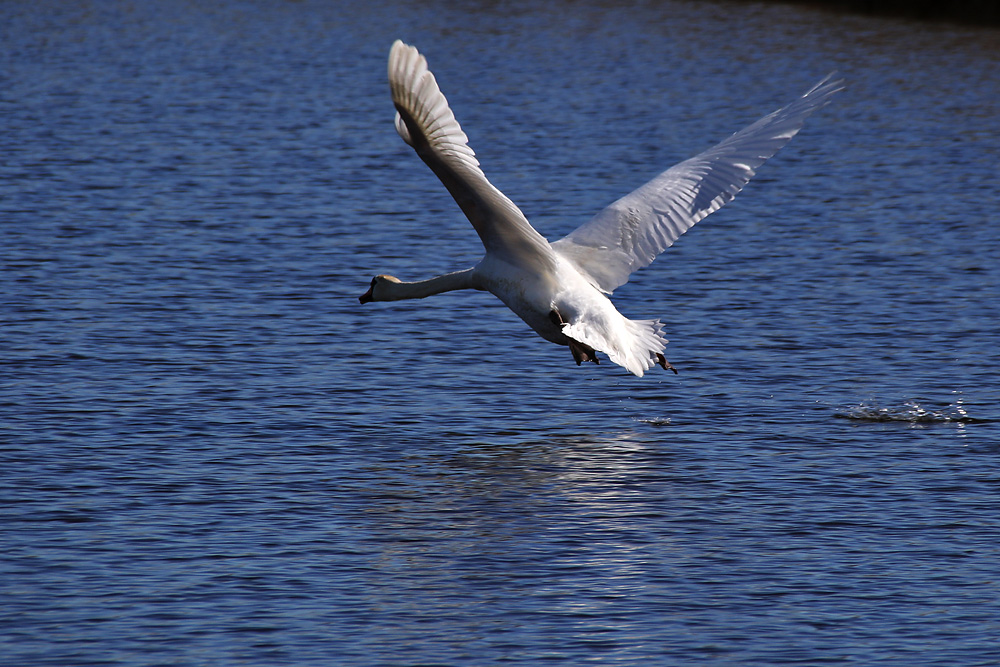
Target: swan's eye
[374, 280]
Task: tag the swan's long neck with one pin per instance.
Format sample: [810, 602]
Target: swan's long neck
[423, 288]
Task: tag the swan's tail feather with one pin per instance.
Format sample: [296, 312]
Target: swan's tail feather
[647, 345]
[637, 348]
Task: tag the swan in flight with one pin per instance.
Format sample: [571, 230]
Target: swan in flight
[561, 289]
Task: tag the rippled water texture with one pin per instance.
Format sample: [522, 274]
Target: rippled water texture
[212, 454]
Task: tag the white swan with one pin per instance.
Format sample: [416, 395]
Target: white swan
[561, 289]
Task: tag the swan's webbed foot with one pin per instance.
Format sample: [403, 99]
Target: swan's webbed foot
[582, 353]
[664, 364]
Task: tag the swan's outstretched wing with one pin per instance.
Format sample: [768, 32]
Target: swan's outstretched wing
[425, 121]
[632, 231]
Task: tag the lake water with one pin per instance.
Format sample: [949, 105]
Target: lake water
[213, 455]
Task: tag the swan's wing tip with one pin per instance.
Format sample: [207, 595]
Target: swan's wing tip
[829, 80]
[399, 47]
[826, 87]
[403, 52]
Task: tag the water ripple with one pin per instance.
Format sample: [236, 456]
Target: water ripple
[210, 454]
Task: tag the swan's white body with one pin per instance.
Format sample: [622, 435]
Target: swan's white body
[561, 289]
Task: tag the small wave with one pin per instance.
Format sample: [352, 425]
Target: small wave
[911, 412]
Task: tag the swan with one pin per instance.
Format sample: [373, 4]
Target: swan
[561, 289]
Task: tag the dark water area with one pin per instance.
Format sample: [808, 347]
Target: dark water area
[972, 12]
[210, 453]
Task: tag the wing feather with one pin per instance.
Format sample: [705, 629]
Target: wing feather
[426, 122]
[631, 232]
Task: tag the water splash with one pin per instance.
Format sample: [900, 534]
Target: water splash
[653, 421]
[909, 411]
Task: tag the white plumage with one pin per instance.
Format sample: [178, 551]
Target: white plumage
[561, 289]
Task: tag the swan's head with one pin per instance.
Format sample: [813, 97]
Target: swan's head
[377, 291]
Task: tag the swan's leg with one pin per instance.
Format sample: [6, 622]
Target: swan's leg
[664, 364]
[581, 352]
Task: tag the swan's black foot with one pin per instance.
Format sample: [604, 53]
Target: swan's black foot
[664, 364]
[582, 353]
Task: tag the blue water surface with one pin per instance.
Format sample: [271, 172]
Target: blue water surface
[211, 453]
